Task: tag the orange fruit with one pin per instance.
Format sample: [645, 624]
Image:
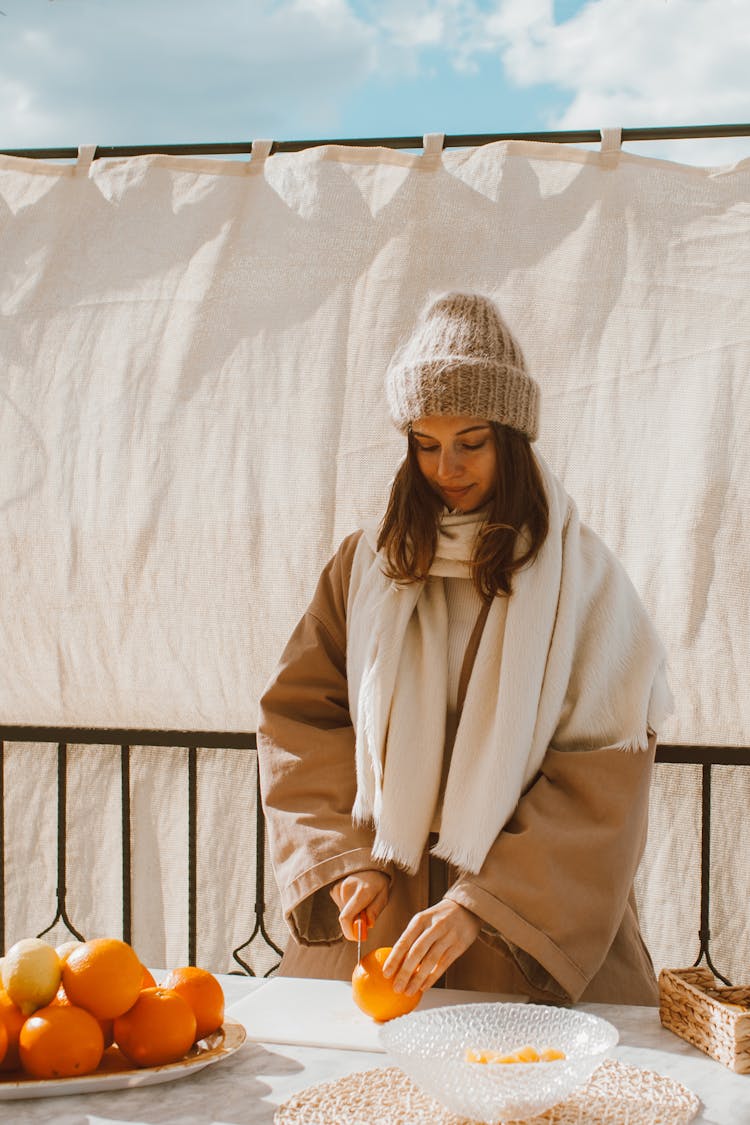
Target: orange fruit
[60, 1000]
[374, 994]
[12, 1019]
[108, 1031]
[158, 1029]
[148, 978]
[104, 976]
[203, 993]
[60, 1042]
[3, 1040]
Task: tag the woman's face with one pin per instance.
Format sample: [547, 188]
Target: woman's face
[458, 459]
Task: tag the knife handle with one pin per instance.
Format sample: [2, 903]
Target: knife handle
[360, 926]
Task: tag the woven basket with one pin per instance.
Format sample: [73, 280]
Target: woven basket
[711, 1017]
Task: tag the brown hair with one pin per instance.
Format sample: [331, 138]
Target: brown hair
[408, 533]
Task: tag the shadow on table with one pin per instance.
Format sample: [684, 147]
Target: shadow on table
[231, 1092]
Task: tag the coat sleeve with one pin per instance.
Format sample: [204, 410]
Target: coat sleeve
[307, 765]
[555, 884]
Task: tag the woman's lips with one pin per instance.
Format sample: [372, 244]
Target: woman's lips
[456, 491]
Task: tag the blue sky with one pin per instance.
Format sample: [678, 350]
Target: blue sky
[151, 71]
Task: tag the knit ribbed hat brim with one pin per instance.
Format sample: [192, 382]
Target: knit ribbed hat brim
[463, 360]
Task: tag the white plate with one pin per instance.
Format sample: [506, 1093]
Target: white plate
[115, 1073]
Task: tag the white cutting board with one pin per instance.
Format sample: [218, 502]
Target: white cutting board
[322, 1013]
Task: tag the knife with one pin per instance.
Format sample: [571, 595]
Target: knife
[360, 929]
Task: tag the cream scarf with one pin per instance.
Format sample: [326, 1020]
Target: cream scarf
[578, 665]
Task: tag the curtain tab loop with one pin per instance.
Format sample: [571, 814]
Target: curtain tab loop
[86, 155]
[611, 147]
[432, 143]
[259, 150]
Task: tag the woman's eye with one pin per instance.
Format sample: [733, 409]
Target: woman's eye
[465, 446]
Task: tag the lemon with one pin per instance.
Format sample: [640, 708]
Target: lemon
[64, 951]
[31, 974]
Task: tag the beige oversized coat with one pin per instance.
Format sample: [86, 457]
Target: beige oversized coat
[555, 891]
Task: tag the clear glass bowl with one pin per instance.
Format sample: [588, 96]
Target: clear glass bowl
[430, 1047]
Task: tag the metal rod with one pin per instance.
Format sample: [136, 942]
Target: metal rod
[127, 887]
[62, 822]
[260, 852]
[454, 140]
[704, 755]
[704, 934]
[62, 842]
[192, 854]
[112, 736]
[260, 870]
[259, 928]
[2, 849]
[247, 740]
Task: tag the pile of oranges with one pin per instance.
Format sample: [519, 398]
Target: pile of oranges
[61, 1009]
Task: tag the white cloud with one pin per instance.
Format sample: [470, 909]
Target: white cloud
[635, 62]
[614, 62]
[421, 24]
[181, 70]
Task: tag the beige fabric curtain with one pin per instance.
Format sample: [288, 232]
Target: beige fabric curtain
[191, 412]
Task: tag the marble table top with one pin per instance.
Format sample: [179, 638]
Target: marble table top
[246, 1088]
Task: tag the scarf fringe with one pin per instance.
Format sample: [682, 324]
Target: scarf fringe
[385, 852]
[361, 816]
[467, 861]
[634, 745]
[661, 703]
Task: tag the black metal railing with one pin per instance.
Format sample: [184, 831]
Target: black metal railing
[705, 756]
[451, 140]
[191, 742]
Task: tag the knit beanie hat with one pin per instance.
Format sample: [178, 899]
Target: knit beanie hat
[463, 359]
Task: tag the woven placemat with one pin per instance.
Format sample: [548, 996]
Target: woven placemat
[615, 1094]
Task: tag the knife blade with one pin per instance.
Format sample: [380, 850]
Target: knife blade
[360, 929]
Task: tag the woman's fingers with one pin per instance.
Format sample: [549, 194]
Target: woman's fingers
[362, 891]
[425, 960]
[402, 949]
[429, 945]
[362, 902]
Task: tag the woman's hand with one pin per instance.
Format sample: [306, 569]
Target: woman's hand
[430, 943]
[363, 890]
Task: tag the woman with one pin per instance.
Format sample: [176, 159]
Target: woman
[459, 738]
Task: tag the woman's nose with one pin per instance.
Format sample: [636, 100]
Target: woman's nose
[448, 464]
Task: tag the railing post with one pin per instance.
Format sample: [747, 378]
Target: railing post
[2, 848]
[62, 845]
[127, 880]
[192, 854]
[704, 933]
